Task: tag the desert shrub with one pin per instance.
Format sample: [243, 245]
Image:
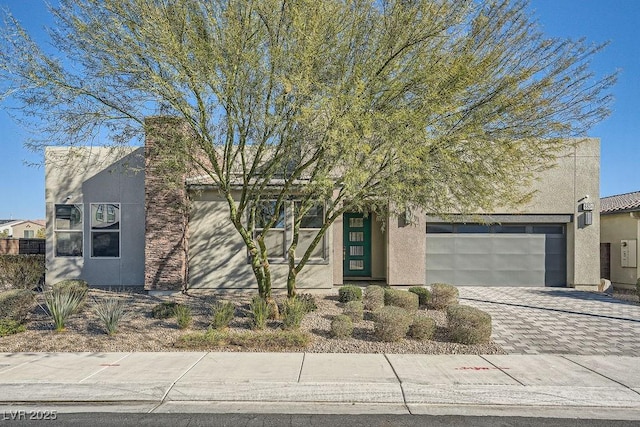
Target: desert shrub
[10, 327]
[349, 293]
[422, 328]
[373, 297]
[22, 271]
[222, 314]
[355, 310]
[468, 325]
[309, 302]
[273, 311]
[293, 311]
[403, 299]
[259, 311]
[341, 326]
[424, 296]
[391, 323]
[76, 285]
[110, 311]
[443, 296]
[263, 340]
[62, 303]
[15, 304]
[183, 316]
[164, 310]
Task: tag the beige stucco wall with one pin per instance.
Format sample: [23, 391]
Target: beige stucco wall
[218, 257]
[85, 175]
[613, 229]
[559, 190]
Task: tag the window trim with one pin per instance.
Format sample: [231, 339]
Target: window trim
[56, 230]
[104, 206]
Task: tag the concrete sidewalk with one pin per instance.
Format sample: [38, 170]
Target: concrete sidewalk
[525, 385]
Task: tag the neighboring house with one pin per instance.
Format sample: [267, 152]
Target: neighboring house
[22, 229]
[113, 221]
[620, 238]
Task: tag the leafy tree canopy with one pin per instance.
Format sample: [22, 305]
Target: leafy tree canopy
[445, 105]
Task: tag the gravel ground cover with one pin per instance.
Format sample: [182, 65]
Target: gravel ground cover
[139, 331]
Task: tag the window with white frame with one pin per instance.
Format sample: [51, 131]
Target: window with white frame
[280, 234]
[310, 223]
[105, 230]
[68, 233]
[275, 238]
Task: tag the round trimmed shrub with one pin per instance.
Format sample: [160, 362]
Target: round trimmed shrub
[164, 310]
[355, 310]
[468, 325]
[349, 293]
[403, 299]
[443, 296]
[391, 323]
[341, 326]
[422, 328]
[373, 297]
[15, 304]
[74, 285]
[424, 296]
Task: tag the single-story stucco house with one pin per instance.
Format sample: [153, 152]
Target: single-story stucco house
[620, 238]
[113, 221]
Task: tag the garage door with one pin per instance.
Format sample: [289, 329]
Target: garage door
[496, 255]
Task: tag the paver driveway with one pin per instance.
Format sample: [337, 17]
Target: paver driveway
[557, 320]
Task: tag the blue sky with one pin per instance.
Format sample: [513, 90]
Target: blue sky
[616, 21]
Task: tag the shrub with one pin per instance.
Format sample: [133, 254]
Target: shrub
[424, 296]
[403, 299]
[273, 311]
[164, 310]
[260, 312]
[72, 284]
[443, 296]
[62, 303]
[341, 326]
[110, 311]
[183, 316]
[264, 340]
[638, 287]
[10, 327]
[349, 293]
[22, 271]
[293, 311]
[309, 302]
[15, 304]
[222, 314]
[468, 325]
[373, 297]
[422, 328]
[391, 323]
[355, 310]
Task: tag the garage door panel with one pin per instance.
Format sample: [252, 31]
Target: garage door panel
[496, 259]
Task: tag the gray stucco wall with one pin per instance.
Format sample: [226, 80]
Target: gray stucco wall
[218, 257]
[85, 175]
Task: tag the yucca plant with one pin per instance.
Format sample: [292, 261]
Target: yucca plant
[61, 303]
[110, 311]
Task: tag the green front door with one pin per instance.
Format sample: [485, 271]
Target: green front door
[357, 245]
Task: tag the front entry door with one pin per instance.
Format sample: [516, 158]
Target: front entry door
[357, 245]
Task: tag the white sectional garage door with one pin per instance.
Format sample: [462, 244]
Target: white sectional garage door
[482, 255]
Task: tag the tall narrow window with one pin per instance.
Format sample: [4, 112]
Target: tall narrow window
[68, 230]
[105, 230]
[274, 240]
[310, 224]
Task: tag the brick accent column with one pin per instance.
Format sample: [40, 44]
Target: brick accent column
[166, 206]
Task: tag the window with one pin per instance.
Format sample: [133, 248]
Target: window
[68, 230]
[29, 234]
[310, 224]
[439, 228]
[105, 230]
[274, 240]
[510, 229]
